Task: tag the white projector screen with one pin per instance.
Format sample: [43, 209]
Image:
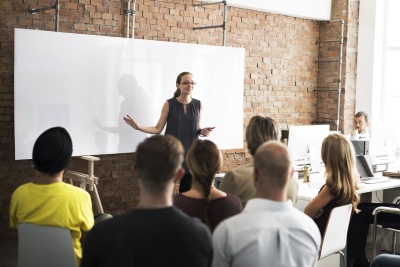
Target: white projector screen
[87, 84]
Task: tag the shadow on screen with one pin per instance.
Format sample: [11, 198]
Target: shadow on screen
[134, 102]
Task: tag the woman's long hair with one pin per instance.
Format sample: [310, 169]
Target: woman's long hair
[341, 175]
[204, 160]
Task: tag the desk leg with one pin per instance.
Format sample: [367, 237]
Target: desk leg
[366, 197]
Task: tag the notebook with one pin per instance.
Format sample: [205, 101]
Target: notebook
[364, 168]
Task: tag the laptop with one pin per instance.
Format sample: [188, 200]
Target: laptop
[364, 168]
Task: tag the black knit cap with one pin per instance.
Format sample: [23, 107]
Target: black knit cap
[52, 150]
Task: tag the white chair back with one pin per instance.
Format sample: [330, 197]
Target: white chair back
[45, 246]
[334, 239]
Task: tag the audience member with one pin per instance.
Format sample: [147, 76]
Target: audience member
[48, 201]
[340, 189]
[269, 231]
[341, 175]
[204, 200]
[386, 260]
[155, 233]
[239, 182]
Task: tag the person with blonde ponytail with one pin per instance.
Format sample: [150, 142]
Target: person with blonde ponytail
[204, 200]
[182, 115]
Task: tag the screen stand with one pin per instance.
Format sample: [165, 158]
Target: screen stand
[87, 180]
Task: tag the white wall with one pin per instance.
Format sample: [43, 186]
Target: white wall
[308, 9]
[385, 133]
[369, 59]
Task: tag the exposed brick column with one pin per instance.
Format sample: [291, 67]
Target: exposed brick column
[328, 73]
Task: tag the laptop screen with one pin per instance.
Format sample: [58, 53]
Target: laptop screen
[364, 166]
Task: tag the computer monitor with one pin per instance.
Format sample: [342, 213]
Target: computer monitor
[306, 139]
[361, 147]
[364, 166]
[385, 138]
[284, 136]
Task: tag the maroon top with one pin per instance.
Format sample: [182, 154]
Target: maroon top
[218, 209]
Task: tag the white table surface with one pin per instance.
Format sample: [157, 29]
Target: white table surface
[307, 191]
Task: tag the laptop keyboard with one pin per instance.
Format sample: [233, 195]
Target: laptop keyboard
[373, 180]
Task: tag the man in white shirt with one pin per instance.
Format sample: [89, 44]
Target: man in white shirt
[269, 231]
[361, 123]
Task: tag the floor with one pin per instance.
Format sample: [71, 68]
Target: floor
[9, 251]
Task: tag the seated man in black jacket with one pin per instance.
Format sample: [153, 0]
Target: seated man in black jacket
[155, 233]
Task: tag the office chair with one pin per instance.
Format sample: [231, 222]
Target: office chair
[45, 246]
[395, 229]
[335, 236]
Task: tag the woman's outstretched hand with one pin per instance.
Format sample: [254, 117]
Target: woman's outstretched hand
[131, 122]
[206, 131]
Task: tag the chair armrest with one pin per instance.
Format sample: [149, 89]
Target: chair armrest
[385, 210]
[396, 200]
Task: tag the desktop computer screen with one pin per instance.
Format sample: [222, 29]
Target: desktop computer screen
[361, 147]
[306, 140]
[364, 166]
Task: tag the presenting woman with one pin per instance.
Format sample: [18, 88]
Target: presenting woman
[182, 114]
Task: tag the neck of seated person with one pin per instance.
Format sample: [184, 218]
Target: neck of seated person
[47, 178]
[197, 192]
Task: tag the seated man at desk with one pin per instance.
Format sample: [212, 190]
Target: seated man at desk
[361, 122]
[239, 182]
[47, 200]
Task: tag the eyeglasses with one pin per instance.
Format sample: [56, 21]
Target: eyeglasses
[187, 83]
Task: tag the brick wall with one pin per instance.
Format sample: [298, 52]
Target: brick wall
[280, 73]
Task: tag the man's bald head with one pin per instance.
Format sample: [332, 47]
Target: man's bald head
[272, 167]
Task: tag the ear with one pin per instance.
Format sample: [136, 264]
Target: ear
[178, 176]
[255, 176]
[291, 173]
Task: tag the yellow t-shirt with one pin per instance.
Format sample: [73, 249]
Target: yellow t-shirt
[56, 204]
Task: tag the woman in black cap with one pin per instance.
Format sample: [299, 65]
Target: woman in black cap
[48, 201]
